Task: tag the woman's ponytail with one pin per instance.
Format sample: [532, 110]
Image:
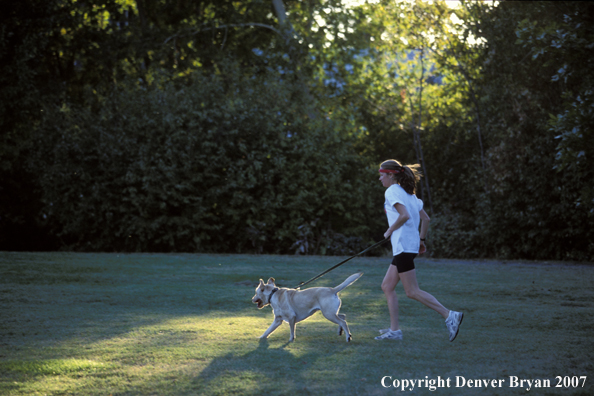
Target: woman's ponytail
[405, 175]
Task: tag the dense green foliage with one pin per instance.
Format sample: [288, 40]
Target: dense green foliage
[226, 163]
[256, 126]
[536, 83]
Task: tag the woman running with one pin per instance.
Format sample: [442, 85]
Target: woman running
[405, 211]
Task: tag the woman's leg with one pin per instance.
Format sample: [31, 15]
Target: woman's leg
[388, 286]
[411, 287]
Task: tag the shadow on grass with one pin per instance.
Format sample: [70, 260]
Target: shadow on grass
[252, 372]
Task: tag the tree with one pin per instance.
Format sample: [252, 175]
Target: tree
[531, 209]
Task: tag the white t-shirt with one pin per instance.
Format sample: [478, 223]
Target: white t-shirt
[406, 238]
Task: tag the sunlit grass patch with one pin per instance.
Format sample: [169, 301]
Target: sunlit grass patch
[54, 367]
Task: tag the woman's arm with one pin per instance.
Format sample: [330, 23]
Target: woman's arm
[424, 228]
[403, 216]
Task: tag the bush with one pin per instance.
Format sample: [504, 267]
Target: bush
[222, 164]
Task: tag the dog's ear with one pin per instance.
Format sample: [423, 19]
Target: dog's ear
[261, 283]
[270, 280]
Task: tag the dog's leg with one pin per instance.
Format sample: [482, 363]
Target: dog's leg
[342, 323]
[292, 327]
[343, 317]
[334, 316]
[277, 322]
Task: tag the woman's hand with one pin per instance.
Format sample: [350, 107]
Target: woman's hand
[422, 248]
[388, 233]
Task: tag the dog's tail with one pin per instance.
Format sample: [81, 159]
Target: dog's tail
[351, 279]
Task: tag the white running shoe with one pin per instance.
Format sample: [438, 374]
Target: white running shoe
[453, 323]
[390, 335]
[383, 331]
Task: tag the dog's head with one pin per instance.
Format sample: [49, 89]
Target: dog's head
[263, 292]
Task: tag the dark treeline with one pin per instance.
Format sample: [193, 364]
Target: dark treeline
[258, 126]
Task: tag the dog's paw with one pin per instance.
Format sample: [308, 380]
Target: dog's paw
[339, 330]
[349, 338]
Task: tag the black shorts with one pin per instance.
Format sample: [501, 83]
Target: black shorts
[404, 262]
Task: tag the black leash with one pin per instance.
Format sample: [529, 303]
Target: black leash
[341, 263]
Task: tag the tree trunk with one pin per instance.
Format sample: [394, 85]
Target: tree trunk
[279, 9]
[417, 142]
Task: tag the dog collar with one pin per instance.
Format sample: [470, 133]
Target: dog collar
[271, 294]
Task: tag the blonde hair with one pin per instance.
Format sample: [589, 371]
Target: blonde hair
[406, 176]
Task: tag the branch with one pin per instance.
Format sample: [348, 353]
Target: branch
[249, 24]
[281, 14]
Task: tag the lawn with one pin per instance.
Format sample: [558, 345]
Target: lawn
[184, 324]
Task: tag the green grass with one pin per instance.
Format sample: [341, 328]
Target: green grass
[166, 324]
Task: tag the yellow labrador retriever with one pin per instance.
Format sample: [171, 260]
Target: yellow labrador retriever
[293, 305]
